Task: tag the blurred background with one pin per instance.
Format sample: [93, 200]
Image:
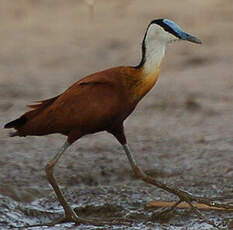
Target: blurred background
[182, 130]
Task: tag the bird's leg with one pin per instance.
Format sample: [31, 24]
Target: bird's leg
[70, 214]
[183, 195]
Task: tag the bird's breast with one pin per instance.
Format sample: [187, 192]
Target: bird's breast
[143, 84]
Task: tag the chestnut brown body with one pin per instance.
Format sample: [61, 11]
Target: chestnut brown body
[98, 102]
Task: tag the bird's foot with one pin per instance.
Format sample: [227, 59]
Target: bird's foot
[165, 212]
[71, 216]
[189, 199]
[183, 195]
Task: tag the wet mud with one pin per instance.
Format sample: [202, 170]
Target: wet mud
[122, 205]
[181, 133]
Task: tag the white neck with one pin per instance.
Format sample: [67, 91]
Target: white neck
[154, 53]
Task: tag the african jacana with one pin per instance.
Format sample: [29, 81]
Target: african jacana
[101, 102]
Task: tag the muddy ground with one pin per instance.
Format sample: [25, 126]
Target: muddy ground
[181, 132]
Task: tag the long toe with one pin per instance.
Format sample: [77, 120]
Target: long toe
[71, 216]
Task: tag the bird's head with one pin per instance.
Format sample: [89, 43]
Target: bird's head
[159, 34]
[167, 31]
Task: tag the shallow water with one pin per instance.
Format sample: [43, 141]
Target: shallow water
[125, 205]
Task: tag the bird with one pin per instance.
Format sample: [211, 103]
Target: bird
[101, 102]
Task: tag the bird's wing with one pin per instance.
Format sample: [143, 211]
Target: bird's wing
[85, 81]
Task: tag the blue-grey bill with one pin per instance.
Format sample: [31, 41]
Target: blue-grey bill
[190, 38]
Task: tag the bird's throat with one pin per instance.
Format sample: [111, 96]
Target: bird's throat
[154, 53]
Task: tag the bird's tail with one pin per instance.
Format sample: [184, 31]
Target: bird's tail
[16, 124]
[20, 123]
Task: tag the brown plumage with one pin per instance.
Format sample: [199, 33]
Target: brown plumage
[95, 103]
[101, 102]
